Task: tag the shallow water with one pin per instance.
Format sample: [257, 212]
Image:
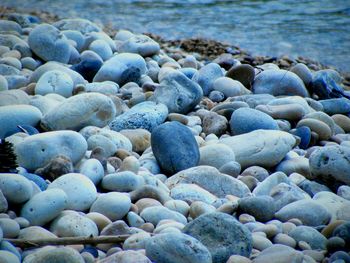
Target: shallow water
[316, 29]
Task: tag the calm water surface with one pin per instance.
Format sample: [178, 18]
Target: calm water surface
[316, 29]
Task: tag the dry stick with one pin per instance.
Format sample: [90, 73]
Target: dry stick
[25, 243]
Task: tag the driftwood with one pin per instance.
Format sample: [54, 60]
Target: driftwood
[25, 243]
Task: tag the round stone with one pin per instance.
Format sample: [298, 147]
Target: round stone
[80, 190]
[140, 44]
[54, 254]
[8, 257]
[10, 228]
[303, 72]
[155, 214]
[222, 234]
[113, 205]
[310, 235]
[55, 81]
[124, 181]
[229, 87]
[15, 188]
[35, 232]
[140, 139]
[48, 43]
[243, 73]
[245, 120]
[174, 147]
[261, 207]
[206, 76]
[44, 206]
[92, 169]
[215, 155]
[176, 248]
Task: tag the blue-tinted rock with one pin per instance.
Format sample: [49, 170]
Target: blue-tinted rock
[48, 43]
[14, 115]
[82, 25]
[140, 44]
[37, 150]
[76, 36]
[222, 234]
[155, 214]
[8, 257]
[336, 106]
[176, 248]
[10, 27]
[284, 194]
[206, 76]
[189, 72]
[54, 254]
[174, 147]
[39, 181]
[101, 48]
[279, 83]
[339, 257]
[146, 115]
[178, 93]
[122, 68]
[89, 65]
[304, 133]
[7, 246]
[261, 207]
[16, 188]
[303, 72]
[326, 85]
[245, 120]
[54, 81]
[310, 235]
[312, 187]
[343, 231]
[44, 206]
[13, 97]
[124, 181]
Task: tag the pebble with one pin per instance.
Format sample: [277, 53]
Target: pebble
[48, 43]
[177, 248]
[245, 120]
[261, 207]
[214, 123]
[10, 228]
[113, 205]
[54, 254]
[178, 206]
[336, 106]
[35, 232]
[44, 146]
[178, 153]
[14, 115]
[243, 73]
[127, 256]
[310, 235]
[125, 181]
[279, 254]
[155, 214]
[278, 83]
[139, 138]
[93, 109]
[8, 257]
[198, 208]
[44, 206]
[291, 112]
[101, 48]
[206, 76]
[191, 192]
[284, 239]
[145, 115]
[216, 155]
[15, 188]
[222, 234]
[323, 130]
[54, 81]
[210, 179]
[261, 243]
[100, 220]
[92, 169]
[80, 190]
[178, 93]
[230, 87]
[140, 44]
[303, 72]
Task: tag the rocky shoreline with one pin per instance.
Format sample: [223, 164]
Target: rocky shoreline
[184, 151]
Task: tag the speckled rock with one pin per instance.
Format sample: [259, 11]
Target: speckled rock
[55, 81]
[14, 115]
[44, 206]
[16, 188]
[79, 111]
[48, 43]
[176, 152]
[222, 234]
[80, 190]
[145, 115]
[176, 248]
[279, 82]
[113, 205]
[54, 254]
[44, 146]
[272, 147]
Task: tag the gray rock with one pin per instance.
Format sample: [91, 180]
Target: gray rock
[307, 211]
[101, 48]
[303, 72]
[16, 188]
[261, 147]
[261, 207]
[191, 192]
[207, 75]
[176, 248]
[124, 181]
[48, 43]
[310, 235]
[336, 106]
[145, 115]
[84, 26]
[122, 68]
[15, 115]
[278, 83]
[80, 190]
[13, 97]
[55, 81]
[178, 93]
[331, 163]
[8, 257]
[245, 120]
[279, 254]
[9, 227]
[216, 155]
[155, 214]
[210, 179]
[3, 203]
[44, 206]
[81, 110]
[54, 254]
[222, 234]
[140, 44]
[113, 205]
[284, 194]
[92, 169]
[37, 150]
[177, 152]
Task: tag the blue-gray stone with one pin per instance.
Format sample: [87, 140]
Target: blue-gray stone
[82, 25]
[336, 106]
[89, 65]
[146, 115]
[244, 120]
[174, 147]
[38, 180]
[310, 235]
[326, 85]
[222, 234]
[206, 76]
[155, 214]
[278, 83]
[140, 44]
[7, 246]
[304, 133]
[261, 207]
[48, 43]
[343, 231]
[178, 93]
[312, 187]
[176, 248]
[189, 72]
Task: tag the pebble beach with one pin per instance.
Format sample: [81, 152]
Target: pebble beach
[178, 150]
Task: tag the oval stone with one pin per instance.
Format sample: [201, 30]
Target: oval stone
[16, 188]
